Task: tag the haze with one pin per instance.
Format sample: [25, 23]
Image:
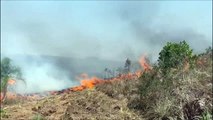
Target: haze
[95, 34]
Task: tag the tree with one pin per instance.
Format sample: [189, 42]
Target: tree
[175, 55]
[127, 65]
[209, 50]
[8, 71]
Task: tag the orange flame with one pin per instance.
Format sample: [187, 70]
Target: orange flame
[89, 83]
[2, 95]
[144, 64]
[86, 82]
[11, 82]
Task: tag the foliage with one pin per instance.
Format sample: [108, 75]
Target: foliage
[167, 87]
[3, 113]
[152, 80]
[175, 55]
[38, 117]
[206, 116]
[209, 50]
[148, 80]
[8, 70]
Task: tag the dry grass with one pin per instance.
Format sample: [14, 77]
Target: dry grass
[123, 90]
[167, 97]
[88, 104]
[181, 95]
[97, 105]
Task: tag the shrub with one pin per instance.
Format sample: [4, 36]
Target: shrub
[164, 91]
[175, 55]
[3, 113]
[38, 117]
[206, 116]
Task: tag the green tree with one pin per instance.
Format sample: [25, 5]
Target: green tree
[8, 70]
[175, 55]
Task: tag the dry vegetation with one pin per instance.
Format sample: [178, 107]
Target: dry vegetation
[183, 94]
[88, 104]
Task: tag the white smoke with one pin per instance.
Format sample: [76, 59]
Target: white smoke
[114, 31]
[41, 77]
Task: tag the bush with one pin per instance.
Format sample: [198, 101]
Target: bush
[206, 116]
[3, 114]
[167, 88]
[175, 55]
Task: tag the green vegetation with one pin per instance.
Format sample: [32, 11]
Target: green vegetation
[38, 117]
[206, 116]
[169, 92]
[8, 70]
[3, 114]
[165, 92]
[175, 55]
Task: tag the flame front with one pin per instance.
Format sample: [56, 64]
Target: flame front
[90, 82]
[144, 63]
[86, 82]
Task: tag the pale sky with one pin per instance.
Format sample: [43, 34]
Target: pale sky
[108, 30]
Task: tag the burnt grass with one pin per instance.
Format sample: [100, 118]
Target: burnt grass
[183, 95]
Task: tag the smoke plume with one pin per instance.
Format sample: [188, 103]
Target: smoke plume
[54, 42]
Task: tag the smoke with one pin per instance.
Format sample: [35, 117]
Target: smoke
[85, 37]
[149, 38]
[40, 75]
[113, 30]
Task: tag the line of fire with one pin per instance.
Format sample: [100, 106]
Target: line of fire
[86, 82]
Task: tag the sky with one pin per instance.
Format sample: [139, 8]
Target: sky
[107, 29]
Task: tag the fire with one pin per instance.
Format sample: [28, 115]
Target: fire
[86, 82]
[144, 64]
[90, 83]
[11, 82]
